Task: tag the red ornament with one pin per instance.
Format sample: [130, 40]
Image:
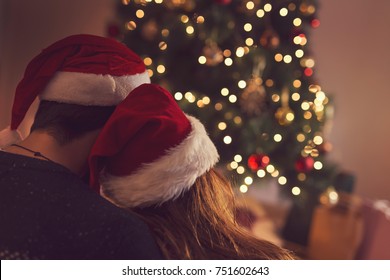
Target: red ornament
[223, 2]
[315, 23]
[258, 161]
[304, 164]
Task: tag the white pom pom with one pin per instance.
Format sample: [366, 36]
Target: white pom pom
[8, 137]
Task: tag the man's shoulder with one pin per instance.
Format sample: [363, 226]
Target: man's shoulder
[62, 216]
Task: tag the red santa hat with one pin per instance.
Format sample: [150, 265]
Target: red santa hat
[149, 151]
[79, 69]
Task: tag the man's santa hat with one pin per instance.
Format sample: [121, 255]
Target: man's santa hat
[79, 69]
[149, 151]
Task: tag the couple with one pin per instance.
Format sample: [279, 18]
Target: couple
[112, 168]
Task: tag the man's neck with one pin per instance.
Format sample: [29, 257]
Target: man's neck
[73, 155]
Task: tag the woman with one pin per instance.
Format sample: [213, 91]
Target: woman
[154, 160]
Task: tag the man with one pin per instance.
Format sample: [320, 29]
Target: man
[46, 209]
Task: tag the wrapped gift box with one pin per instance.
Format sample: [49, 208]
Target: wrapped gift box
[336, 230]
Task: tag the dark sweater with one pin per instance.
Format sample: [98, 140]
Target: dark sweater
[47, 212]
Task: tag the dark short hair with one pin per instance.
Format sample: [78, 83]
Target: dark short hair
[66, 122]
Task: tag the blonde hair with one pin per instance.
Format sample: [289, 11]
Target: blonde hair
[201, 224]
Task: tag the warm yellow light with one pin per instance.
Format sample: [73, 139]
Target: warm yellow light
[190, 97]
[240, 170]
[261, 173]
[240, 52]
[190, 30]
[282, 180]
[299, 53]
[165, 32]
[233, 165]
[307, 115]
[233, 98]
[305, 105]
[184, 19]
[248, 180]
[318, 165]
[200, 19]
[200, 103]
[321, 96]
[227, 53]
[243, 188]
[260, 13]
[333, 197]
[227, 139]
[275, 174]
[297, 22]
[238, 158]
[283, 12]
[297, 83]
[278, 57]
[309, 63]
[269, 82]
[148, 61]
[314, 88]
[161, 69]
[290, 116]
[270, 168]
[307, 150]
[250, 5]
[222, 126]
[131, 25]
[218, 106]
[296, 190]
[267, 7]
[224, 92]
[287, 58]
[247, 27]
[202, 59]
[249, 42]
[315, 153]
[206, 100]
[318, 103]
[139, 13]
[301, 137]
[295, 96]
[277, 137]
[150, 72]
[237, 120]
[163, 46]
[311, 9]
[275, 97]
[228, 61]
[178, 96]
[241, 84]
[297, 40]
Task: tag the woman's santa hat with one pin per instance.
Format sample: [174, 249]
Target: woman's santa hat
[79, 69]
[149, 151]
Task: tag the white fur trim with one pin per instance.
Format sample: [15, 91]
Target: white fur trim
[167, 177]
[8, 137]
[91, 89]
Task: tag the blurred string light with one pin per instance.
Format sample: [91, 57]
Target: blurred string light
[311, 108]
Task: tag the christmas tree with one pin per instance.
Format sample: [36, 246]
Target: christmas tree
[245, 69]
